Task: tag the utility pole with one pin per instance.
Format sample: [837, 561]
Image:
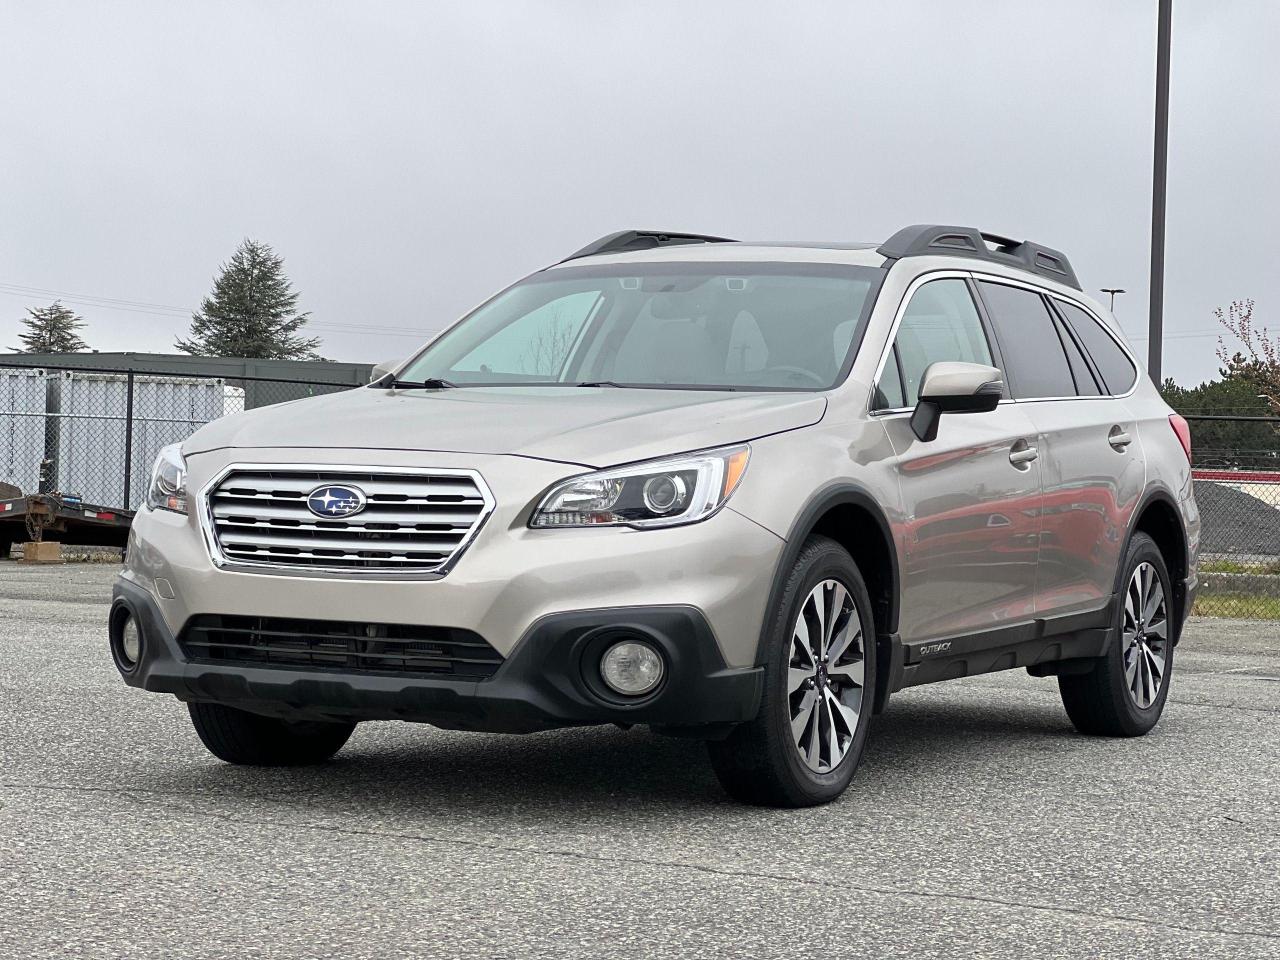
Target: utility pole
[1164, 30]
[1113, 291]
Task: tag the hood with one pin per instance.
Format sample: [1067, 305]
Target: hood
[591, 426]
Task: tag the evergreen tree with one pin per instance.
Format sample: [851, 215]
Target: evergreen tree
[1221, 443]
[52, 329]
[252, 311]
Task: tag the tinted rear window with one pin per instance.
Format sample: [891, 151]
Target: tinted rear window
[1116, 368]
[1033, 356]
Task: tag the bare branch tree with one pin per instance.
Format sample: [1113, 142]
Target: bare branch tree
[549, 348]
[1257, 358]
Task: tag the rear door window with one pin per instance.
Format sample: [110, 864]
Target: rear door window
[1035, 361]
[1113, 363]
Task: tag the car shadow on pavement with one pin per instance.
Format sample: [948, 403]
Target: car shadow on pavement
[586, 772]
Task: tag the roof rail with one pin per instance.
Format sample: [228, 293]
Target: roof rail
[928, 239]
[625, 241]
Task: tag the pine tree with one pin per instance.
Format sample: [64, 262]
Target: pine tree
[252, 311]
[52, 329]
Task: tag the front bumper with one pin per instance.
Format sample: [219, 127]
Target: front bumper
[547, 682]
[509, 577]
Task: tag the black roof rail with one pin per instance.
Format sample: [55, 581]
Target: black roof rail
[627, 240]
[929, 239]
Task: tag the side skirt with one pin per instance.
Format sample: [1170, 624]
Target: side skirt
[1045, 647]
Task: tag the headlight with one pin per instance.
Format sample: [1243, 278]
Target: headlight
[168, 487]
[660, 493]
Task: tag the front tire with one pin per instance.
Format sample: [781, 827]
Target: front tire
[240, 737]
[1125, 692]
[819, 679]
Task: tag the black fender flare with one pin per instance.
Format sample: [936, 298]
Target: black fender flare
[837, 494]
[1158, 492]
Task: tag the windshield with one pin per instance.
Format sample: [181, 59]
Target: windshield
[743, 326]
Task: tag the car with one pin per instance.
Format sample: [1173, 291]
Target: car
[734, 491]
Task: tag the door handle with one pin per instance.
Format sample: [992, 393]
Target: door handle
[1119, 439]
[1023, 454]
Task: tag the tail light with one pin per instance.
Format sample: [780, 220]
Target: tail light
[1183, 430]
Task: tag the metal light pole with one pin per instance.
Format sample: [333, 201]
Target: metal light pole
[1164, 31]
[1113, 291]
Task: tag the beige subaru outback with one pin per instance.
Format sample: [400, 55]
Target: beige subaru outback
[742, 492]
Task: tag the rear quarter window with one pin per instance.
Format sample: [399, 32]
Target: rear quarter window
[1086, 383]
[1112, 362]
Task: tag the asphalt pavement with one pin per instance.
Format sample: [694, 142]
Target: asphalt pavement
[980, 825]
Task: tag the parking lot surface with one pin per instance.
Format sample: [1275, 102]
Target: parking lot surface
[979, 825]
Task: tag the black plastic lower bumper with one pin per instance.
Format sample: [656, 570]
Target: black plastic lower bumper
[549, 680]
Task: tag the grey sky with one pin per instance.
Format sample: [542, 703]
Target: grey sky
[408, 159]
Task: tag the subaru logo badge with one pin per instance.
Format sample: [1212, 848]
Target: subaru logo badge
[335, 501]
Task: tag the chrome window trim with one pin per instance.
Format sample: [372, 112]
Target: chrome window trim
[1010, 282]
[223, 562]
[978, 275]
[901, 411]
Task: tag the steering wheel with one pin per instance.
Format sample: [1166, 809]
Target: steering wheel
[794, 372]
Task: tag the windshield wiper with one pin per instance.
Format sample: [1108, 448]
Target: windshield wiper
[657, 386]
[429, 383]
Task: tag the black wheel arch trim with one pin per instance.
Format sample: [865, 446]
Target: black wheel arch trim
[1158, 492]
[841, 493]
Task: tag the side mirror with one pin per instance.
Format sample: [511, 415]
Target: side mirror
[950, 386]
[380, 370]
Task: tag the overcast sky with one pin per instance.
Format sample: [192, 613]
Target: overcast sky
[407, 159]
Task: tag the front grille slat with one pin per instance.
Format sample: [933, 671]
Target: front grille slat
[373, 513]
[355, 561]
[301, 482]
[322, 645]
[436, 500]
[412, 521]
[368, 540]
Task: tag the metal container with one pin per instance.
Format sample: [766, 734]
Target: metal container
[22, 427]
[66, 431]
[93, 411]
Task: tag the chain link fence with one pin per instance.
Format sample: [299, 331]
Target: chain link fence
[1237, 482]
[93, 433]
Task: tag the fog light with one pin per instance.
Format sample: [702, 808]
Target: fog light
[632, 668]
[130, 641]
[126, 639]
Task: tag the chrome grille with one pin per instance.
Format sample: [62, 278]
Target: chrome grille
[412, 521]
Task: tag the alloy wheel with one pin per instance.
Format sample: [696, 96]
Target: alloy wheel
[826, 676]
[1144, 635]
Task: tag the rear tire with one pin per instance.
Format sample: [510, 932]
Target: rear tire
[819, 683]
[1125, 692]
[240, 737]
